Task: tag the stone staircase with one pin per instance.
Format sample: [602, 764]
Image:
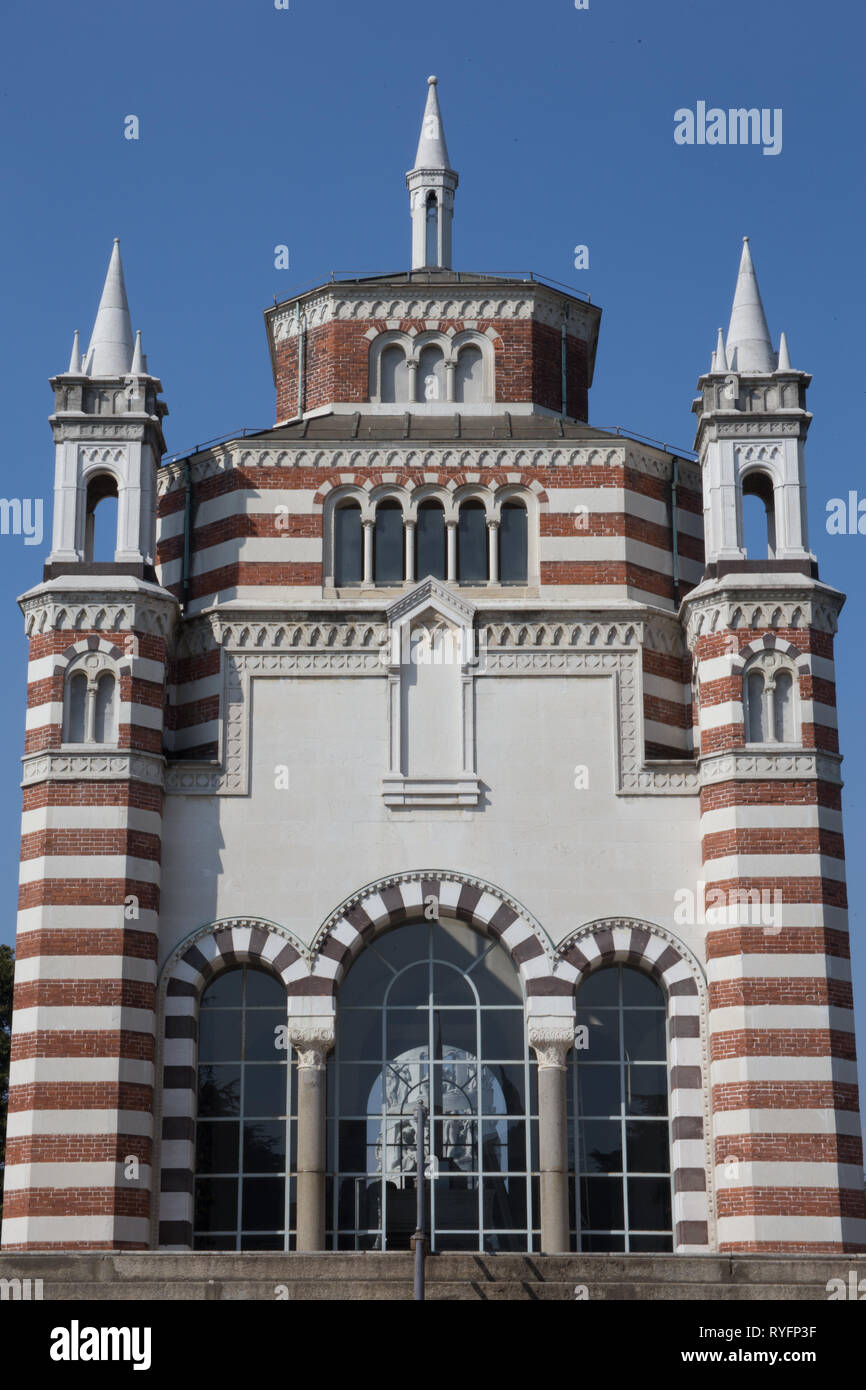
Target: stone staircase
[371, 1276]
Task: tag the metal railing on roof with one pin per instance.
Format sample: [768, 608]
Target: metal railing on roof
[422, 277]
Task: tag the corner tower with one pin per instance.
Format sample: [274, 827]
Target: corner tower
[760, 627]
[80, 1128]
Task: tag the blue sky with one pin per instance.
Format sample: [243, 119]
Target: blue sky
[261, 127]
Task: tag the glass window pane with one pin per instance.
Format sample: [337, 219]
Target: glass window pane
[456, 1028]
[219, 1036]
[647, 1092]
[472, 544]
[430, 541]
[388, 544]
[224, 992]
[504, 1089]
[216, 1204]
[76, 695]
[600, 1146]
[503, 1035]
[361, 1034]
[638, 988]
[265, 1089]
[647, 1146]
[105, 710]
[456, 1201]
[406, 1030]
[404, 946]
[348, 546]
[783, 708]
[513, 544]
[361, 1090]
[601, 988]
[264, 991]
[503, 1146]
[602, 1039]
[600, 1243]
[411, 988]
[217, 1146]
[263, 1204]
[450, 986]
[649, 1204]
[264, 1146]
[755, 697]
[365, 983]
[644, 1035]
[601, 1203]
[219, 1090]
[496, 979]
[265, 1028]
[599, 1090]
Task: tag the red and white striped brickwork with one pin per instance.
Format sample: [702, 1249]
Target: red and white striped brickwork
[260, 524]
[80, 1125]
[788, 1153]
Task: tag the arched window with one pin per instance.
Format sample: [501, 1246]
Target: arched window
[76, 704]
[90, 702]
[433, 1013]
[512, 544]
[393, 374]
[105, 710]
[469, 375]
[430, 541]
[100, 524]
[348, 545]
[388, 548]
[245, 1126]
[619, 1133]
[472, 553]
[770, 700]
[431, 374]
[759, 516]
[432, 231]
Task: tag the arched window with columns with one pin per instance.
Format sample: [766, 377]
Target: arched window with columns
[770, 699]
[90, 703]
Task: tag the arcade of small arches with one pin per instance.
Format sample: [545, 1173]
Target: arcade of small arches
[431, 367]
[477, 537]
[532, 1144]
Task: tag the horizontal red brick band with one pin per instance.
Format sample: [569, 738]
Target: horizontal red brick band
[666, 665]
[789, 1148]
[785, 1095]
[783, 1042]
[772, 840]
[129, 792]
[725, 994]
[829, 892]
[79, 1148]
[57, 641]
[130, 994]
[789, 1201]
[81, 1095]
[87, 1042]
[76, 1201]
[613, 572]
[791, 1247]
[805, 639]
[793, 941]
[137, 843]
[87, 892]
[88, 941]
[771, 793]
[678, 716]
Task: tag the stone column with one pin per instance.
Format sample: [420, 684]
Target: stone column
[551, 1040]
[368, 524]
[493, 551]
[312, 1039]
[409, 537]
[451, 539]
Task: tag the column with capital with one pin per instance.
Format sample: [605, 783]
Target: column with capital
[312, 1038]
[551, 1038]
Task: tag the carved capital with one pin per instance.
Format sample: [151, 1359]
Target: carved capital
[312, 1040]
[551, 1040]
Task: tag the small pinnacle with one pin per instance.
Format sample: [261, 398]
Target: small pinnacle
[431, 81]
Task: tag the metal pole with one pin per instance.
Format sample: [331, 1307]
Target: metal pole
[419, 1238]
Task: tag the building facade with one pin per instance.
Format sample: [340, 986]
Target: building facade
[432, 747]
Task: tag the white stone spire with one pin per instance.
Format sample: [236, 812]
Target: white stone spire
[784, 358]
[74, 368]
[431, 187]
[750, 348]
[139, 366]
[110, 351]
[720, 357]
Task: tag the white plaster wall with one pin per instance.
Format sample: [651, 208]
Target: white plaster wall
[291, 855]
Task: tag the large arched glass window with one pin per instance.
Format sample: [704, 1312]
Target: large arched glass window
[430, 541]
[431, 374]
[513, 557]
[469, 375]
[472, 553]
[348, 545]
[245, 1129]
[433, 1012]
[619, 1131]
[388, 548]
[393, 375]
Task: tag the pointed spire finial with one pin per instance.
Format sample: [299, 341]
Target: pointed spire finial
[138, 368]
[432, 152]
[74, 368]
[784, 359]
[720, 357]
[749, 347]
[110, 350]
